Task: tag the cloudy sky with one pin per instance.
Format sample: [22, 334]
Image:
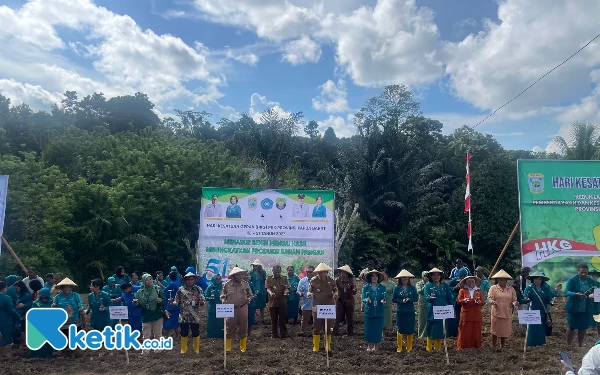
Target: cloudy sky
[462, 59]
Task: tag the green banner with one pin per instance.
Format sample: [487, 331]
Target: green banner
[559, 203]
[285, 227]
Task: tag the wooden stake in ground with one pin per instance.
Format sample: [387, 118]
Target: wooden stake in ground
[225, 343]
[14, 255]
[326, 344]
[512, 234]
[126, 352]
[525, 347]
[445, 346]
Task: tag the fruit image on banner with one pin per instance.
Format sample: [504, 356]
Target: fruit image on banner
[559, 204]
[286, 227]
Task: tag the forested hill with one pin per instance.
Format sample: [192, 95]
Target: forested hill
[97, 182]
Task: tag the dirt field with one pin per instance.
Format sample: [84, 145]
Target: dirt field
[294, 356]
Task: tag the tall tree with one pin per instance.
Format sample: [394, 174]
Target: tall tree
[584, 143]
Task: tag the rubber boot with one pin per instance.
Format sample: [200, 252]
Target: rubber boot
[316, 342]
[399, 342]
[184, 345]
[429, 346]
[243, 342]
[409, 343]
[228, 345]
[438, 344]
[197, 345]
[329, 337]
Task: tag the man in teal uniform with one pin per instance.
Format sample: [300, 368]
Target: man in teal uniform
[580, 299]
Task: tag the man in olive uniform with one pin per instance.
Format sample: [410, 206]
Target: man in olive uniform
[278, 290]
[237, 291]
[323, 291]
[345, 302]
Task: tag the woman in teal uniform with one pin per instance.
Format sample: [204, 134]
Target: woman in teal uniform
[374, 296]
[8, 318]
[580, 306]
[214, 327]
[404, 296]
[594, 274]
[98, 304]
[437, 293]
[71, 302]
[455, 285]
[257, 283]
[319, 210]
[11, 292]
[24, 302]
[293, 299]
[540, 296]
[43, 301]
[114, 291]
[233, 211]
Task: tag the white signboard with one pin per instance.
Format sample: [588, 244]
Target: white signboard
[118, 312]
[443, 312]
[325, 311]
[529, 317]
[597, 295]
[3, 191]
[225, 311]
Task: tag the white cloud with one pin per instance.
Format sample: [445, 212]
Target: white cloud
[537, 149]
[301, 51]
[333, 98]
[491, 67]
[259, 103]
[20, 93]
[246, 58]
[343, 127]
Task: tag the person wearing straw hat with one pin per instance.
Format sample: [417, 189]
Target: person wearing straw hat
[422, 312]
[471, 300]
[278, 289]
[580, 299]
[540, 296]
[258, 277]
[594, 274]
[189, 298]
[484, 284]
[323, 291]
[374, 296]
[72, 303]
[437, 293]
[404, 296]
[503, 300]
[237, 291]
[345, 303]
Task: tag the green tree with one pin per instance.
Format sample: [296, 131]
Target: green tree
[584, 143]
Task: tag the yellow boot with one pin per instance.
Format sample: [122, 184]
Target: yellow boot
[409, 343]
[399, 342]
[438, 344]
[429, 346]
[329, 337]
[228, 345]
[184, 344]
[243, 342]
[197, 345]
[316, 342]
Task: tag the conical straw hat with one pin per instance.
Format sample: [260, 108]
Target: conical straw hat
[346, 269]
[322, 267]
[379, 275]
[236, 270]
[256, 263]
[66, 282]
[435, 270]
[404, 273]
[501, 275]
[477, 279]
[597, 318]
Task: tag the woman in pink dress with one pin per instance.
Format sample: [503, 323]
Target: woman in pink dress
[503, 299]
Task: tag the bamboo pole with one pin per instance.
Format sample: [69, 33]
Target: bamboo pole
[14, 255]
[512, 235]
[445, 345]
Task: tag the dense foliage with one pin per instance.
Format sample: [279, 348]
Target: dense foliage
[98, 183]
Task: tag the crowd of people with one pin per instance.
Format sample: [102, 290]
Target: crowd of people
[172, 307]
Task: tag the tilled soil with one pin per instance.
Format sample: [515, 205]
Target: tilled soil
[294, 356]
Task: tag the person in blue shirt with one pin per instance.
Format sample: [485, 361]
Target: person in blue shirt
[437, 293]
[173, 268]
[580, 303]
[233, 211]
[43, 301]
[484, 285]
[459, 265]
[319, 210]
[404, 296]
[455, 285]
[293, 298]
[171, 325]
[374, 296]
[134, 313]
[160, 280]
[305, 302]
[120, 276]
[257, 280]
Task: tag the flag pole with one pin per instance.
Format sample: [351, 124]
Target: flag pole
[468, 208]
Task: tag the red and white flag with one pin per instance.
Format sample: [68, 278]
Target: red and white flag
[468, 202]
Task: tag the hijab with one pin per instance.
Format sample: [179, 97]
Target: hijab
[44, 292]
[147, 294]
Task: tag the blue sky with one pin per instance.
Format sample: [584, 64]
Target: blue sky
[462, 59]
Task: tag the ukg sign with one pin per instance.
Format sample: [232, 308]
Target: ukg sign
[287, 227]
[559, 203]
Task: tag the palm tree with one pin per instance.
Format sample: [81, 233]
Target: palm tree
[584, 143]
